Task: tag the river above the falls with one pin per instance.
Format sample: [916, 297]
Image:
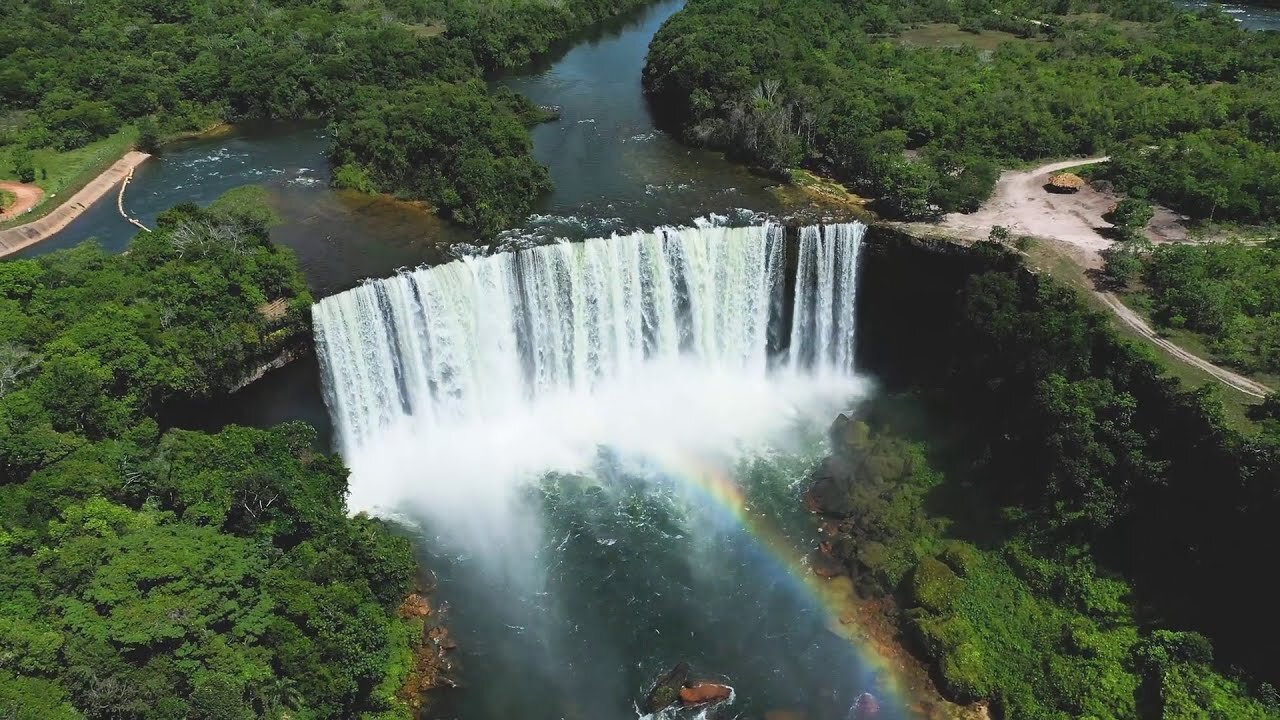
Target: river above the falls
[612, 170]
[579, 588]
[608, 576]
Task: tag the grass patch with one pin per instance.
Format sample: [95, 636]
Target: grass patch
[7, 199]
[61, 174]
[1198, 343]
[950, 35]
[435, 28]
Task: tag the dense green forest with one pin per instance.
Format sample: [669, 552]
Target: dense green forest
[1190, 104]
[1224, 292]
[464, 149]
[176, 574]
[1070, 533]
[73, 73]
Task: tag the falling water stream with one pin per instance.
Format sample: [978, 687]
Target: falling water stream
[605, 442]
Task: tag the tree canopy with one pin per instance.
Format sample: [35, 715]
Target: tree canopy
[177, 574]
[70, 75]
[1187, 103]
[1100, 507]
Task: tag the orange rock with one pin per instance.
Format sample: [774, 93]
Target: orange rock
[701, 693]
[440, 636]
[415, 606]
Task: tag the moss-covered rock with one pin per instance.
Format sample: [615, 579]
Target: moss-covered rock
[934, 586]
[961, 557]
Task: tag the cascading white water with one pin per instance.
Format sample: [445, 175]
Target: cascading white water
[524, 361]
[826, 289]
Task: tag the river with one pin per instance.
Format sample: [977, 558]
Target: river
[1251, 17]
[569, 591]
[679, 534]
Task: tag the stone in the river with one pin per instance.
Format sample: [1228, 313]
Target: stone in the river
[701, 693]
[866, 707]
[666, 691]
[415, 606]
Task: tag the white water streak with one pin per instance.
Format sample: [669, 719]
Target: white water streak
[556, 341]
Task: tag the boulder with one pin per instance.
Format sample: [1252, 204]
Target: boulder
[832, 489]
[866, 707]
[666, 691]
[825, 566]
[701, 693]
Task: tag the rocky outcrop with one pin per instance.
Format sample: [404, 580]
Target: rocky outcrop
[703, 693]
[432, 664]
[866, 708]
[833, 481]
[666, 691]
[676, 687]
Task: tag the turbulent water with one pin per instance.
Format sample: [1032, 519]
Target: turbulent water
[579, 427]
[484, 340]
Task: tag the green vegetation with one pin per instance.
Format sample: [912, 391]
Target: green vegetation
[1222, 292]
[1095, 524]
[70, 78]
[7, 199]
[508, 33]
[177, 574]
[871, 94]
[455, 145]
[61, 173]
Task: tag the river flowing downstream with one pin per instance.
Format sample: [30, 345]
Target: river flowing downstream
[606, 442]
[601, 446]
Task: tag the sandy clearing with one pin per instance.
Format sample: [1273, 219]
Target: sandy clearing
[28, 195]
[1021, 204]
[23, 236]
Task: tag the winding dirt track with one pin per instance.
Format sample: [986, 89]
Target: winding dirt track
[1135, 321]
[1021, 204]
[23, 236]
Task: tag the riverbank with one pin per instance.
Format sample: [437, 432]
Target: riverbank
[23, 236]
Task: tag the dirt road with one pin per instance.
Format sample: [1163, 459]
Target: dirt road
[1135, 321]
[27, 196]
[22, 236]
[1021, 204]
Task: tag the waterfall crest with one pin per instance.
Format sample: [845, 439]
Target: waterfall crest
[479, 338]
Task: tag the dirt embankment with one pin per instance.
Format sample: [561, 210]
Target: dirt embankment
[23, 236]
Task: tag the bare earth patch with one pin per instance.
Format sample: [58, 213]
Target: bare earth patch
[27, 195]
[1021, 204]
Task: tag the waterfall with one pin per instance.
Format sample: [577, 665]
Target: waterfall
[481, 338]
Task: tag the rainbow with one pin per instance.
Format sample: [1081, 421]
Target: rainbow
[711, 480]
